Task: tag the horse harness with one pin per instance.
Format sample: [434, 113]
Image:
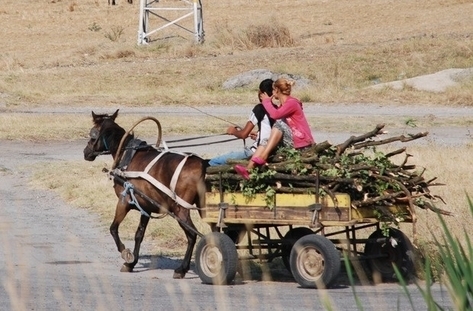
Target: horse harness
[121, 172]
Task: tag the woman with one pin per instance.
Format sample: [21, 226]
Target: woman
[291, 126]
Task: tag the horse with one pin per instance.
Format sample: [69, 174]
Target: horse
[168, 182]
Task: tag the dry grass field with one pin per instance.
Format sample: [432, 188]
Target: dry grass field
[71, 53]
[76, 53]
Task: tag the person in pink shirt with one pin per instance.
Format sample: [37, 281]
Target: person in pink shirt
[291, 126]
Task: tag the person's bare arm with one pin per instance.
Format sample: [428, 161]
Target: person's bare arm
[283, 111]
[241, 132]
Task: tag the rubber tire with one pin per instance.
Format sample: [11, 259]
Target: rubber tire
[402, 256]
[290, 238]
[236, 234]
[216, 259]
[315, 251]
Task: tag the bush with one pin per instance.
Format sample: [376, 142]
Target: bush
[269, 36]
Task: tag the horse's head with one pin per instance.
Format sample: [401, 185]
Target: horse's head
[105, 136]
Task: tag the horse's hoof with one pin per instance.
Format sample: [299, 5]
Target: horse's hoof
[178, 275]
[128, 256]
[126, 268]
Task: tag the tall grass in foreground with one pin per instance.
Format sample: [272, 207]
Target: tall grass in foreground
[455, 260]
[454, 263]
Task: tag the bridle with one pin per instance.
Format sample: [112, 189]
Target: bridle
[96, 135]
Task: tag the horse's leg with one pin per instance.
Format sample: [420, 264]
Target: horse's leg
[121, 211]
[139, 235]
[191, 236]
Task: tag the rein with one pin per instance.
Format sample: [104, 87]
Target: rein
[197, 138]
[216, 117]
[205, 144]
[193, 138]
[210, 115]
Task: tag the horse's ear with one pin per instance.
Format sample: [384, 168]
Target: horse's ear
[114, 116]
[94, 116]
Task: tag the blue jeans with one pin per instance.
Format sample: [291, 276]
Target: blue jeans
[235, 155]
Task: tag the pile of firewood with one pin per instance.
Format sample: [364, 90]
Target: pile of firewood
[354, 166]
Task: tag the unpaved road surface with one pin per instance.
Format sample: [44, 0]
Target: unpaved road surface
[56, 257]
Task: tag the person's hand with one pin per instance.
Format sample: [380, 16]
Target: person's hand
[253, 135]
[231, 130]
[264, 95]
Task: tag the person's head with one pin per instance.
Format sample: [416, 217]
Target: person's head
[266, 86]
[283, 86]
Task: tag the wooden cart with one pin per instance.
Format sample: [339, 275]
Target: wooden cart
[309, 233]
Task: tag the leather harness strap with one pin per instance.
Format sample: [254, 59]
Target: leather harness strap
[168, 191]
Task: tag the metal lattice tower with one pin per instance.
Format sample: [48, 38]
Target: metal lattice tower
[181, 11]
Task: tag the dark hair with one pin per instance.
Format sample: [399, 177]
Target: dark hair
[266, 86]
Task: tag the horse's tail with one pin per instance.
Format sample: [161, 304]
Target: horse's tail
[202, 187]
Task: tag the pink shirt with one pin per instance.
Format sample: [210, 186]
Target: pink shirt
[292, 112]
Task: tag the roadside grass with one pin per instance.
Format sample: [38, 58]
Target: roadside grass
[73, 126]
[67, 126]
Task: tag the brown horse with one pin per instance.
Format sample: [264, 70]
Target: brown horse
[151, 181]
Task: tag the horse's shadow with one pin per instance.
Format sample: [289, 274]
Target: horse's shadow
[148, 262]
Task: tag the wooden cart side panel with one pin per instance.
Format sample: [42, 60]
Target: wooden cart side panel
[280, 199]
[290, 209]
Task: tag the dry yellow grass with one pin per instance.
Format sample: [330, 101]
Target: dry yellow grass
[85, 53]
[73, 126]
[450, 165]
[70, 126]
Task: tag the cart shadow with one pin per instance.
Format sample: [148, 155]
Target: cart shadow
[247, 271]
[251, 271]
[277, 272]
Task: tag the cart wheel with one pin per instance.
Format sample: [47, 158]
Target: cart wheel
[315, 262]
[382, 256]
[235, 233]
[290, 239]
[216, 259]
